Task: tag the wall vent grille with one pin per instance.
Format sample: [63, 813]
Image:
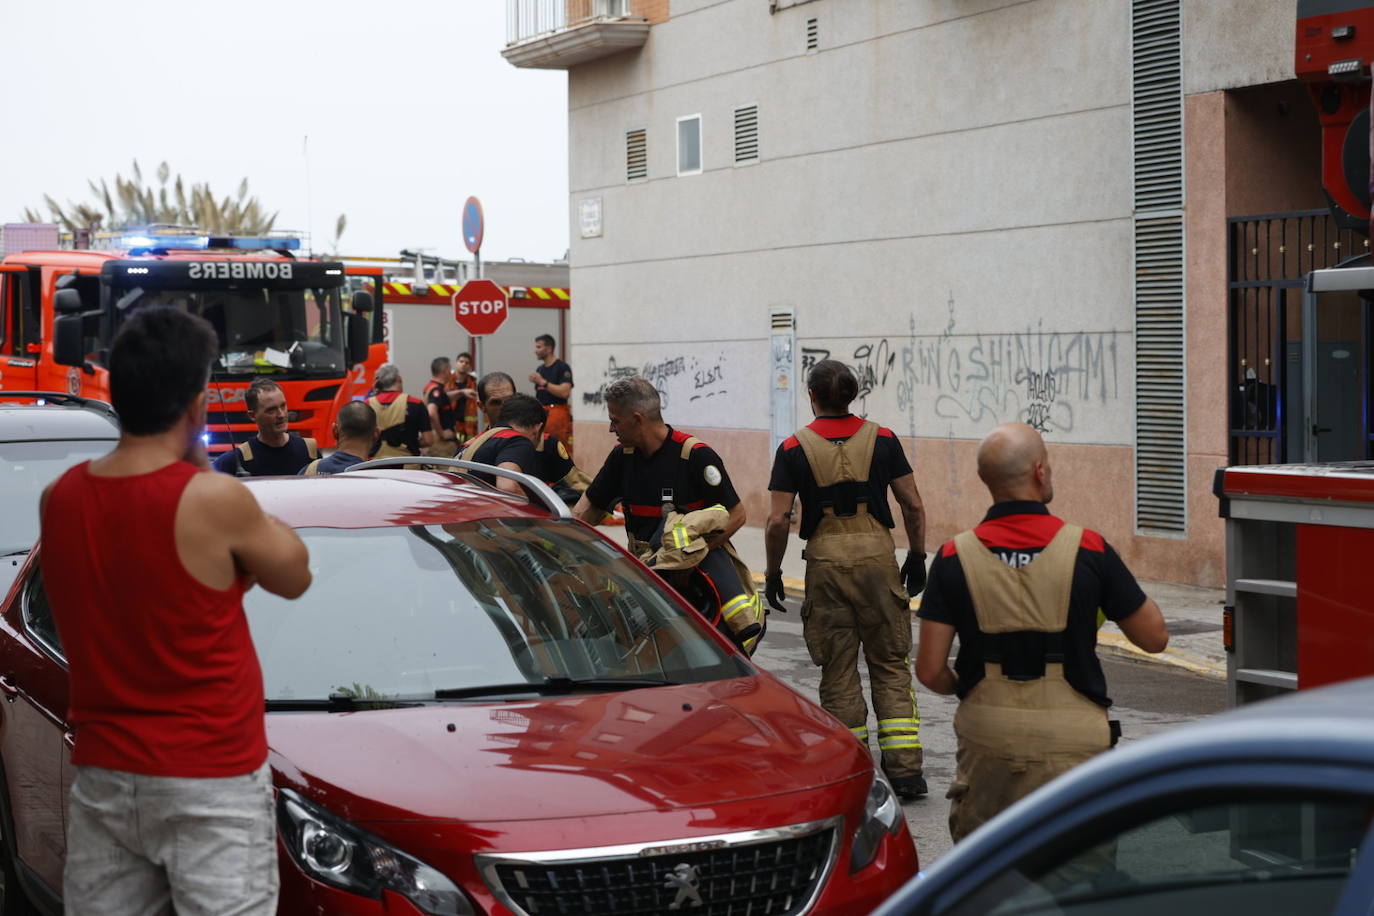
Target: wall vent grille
[636, 155]
[1161, 473]
[746, 134]
[813, 34]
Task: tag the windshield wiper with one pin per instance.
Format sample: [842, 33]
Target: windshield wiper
[336, 702]
[21, 552]
[553, 686]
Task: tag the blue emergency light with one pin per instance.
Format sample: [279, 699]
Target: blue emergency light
[185, 242]
[203, 242]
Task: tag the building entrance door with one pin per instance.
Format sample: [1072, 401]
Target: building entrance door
[1297, 354]
[1335, 364]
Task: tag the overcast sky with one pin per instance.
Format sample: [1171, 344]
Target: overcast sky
[408, 105]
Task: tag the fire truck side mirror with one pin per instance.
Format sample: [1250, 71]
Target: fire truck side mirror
[359, 338]
[67, 344]
[67, 301]
[362, 302]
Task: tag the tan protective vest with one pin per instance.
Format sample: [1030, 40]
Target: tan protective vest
[1026, 718]
[469, 452]
[389, 416]
[855, 539]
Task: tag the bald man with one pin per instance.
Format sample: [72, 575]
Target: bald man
[1022, 590]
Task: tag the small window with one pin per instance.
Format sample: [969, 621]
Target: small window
[636, 155]
[38, 616]
[689, 145]
[18, 326]
[746, 134]
[1273, 855]
[9, 314]
[813, 35]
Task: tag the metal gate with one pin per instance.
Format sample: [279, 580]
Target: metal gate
[1269, 256]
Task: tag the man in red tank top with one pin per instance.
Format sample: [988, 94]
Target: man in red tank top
[146, 558]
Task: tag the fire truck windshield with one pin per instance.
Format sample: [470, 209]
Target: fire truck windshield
[286, 333]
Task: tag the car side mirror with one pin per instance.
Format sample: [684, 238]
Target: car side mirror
[359, 338]
[68, 343]
[67, 301]
[362, 302]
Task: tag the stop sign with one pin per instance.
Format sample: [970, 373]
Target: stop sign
[480, 307]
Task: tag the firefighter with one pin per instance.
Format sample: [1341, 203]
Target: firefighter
[443, 415]
[856, 598]
[462, 395]
[510, 443]
[553, 385]
[655, 471]
[1022, 592]
[555, 465]
[492, 391]
[402, 421]
[355, 429]
[275, 450]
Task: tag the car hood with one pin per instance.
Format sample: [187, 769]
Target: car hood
[652, 749]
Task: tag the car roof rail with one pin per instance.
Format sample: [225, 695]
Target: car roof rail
[537, 486]
[62, 397]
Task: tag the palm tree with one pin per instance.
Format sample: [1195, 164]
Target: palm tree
[134, 203]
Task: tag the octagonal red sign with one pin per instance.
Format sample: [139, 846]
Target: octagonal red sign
[480, 307]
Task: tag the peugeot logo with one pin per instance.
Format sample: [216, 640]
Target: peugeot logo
[684, 878]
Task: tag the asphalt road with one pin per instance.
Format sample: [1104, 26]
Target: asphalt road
[1148, 698]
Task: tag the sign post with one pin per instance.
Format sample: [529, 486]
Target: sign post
[474, 228]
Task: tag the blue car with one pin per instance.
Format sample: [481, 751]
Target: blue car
[1262, 810]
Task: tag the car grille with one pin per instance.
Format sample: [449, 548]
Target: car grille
[757, 874]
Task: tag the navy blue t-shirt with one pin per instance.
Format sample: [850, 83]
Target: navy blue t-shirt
[267, 461]
[335, 463]
[559, 373]
[507, 445]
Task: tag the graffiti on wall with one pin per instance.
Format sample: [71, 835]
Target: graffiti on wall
[702, 382]
[1046, 379]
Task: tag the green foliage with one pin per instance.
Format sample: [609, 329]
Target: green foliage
[134, 203]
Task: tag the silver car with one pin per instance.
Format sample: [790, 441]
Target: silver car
[42, 433]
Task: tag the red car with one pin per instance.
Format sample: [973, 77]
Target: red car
[483, 705]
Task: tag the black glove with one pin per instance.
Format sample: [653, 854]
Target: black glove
[774, 591]
[914, 573]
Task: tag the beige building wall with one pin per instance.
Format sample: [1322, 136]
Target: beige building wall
[944, 196]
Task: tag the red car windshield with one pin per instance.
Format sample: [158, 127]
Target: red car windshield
[402, 612]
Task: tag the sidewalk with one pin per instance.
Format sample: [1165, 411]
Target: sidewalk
[1193, 613]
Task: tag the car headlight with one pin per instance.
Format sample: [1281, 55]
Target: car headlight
[334, 852]
[882, 815]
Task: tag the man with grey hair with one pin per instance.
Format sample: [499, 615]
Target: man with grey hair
[655, 470]
[402, 421]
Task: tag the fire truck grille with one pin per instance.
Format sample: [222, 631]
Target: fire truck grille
[778, 878]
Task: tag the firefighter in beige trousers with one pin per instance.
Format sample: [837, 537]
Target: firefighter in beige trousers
[856, 598]
[1022, 592]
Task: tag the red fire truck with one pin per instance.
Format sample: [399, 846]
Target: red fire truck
[1300, 609]
[277, 315]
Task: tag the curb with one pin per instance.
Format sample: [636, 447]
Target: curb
[1115, 643]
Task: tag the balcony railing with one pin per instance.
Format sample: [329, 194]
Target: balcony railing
[526, 19]
[556, 34]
